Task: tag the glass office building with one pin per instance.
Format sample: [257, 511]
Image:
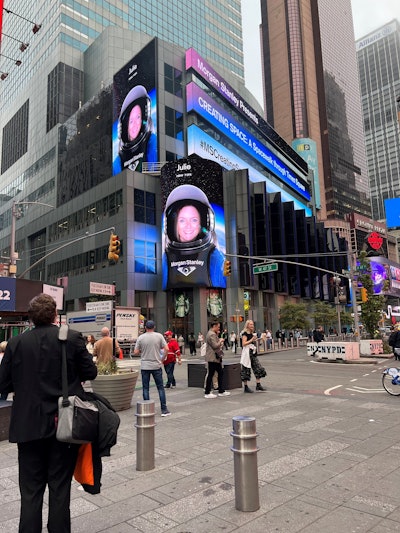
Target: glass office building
[378, 55]
[312, 96]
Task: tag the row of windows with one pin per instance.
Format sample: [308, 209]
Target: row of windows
[77, 264]
[18, 184]
[90, 214]
[145, 251]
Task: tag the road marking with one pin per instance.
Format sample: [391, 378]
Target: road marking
[327, 392]
[363, 390]
[351, 381]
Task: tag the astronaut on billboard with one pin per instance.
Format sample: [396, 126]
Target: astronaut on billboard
[191, 255]
[136, 140]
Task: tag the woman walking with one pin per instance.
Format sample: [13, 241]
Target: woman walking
[249, 359]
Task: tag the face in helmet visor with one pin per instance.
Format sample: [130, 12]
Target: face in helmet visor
[188, 224]
[134, 124]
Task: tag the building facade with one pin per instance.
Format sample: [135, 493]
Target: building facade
[196, 116]
[312, 97]
[378, 55]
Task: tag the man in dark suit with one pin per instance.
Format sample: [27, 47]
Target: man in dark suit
[31, 368]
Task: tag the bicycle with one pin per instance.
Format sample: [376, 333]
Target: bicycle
[391, 381]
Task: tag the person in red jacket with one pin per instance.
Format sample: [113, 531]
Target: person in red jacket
[174, 354]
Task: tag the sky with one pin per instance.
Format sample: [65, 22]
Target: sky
[368, 15]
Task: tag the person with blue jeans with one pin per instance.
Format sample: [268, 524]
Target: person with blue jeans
[152, 348]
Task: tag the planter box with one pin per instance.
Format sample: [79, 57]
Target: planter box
[117, 388]
[197, 374]
[5, 414]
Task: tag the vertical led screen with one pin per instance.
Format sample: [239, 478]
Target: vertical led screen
[392, 208]
[134, 135]
[193, 224]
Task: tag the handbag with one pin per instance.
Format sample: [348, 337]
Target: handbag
[78, 420]
[219, 355]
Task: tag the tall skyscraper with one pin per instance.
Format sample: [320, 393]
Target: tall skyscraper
[214, 28]
[46, 82]
[378, 55]
[312, 97]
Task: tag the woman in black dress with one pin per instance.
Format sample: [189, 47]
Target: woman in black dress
[249, 359]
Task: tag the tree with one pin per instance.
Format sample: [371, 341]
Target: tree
[294, 316]
[371, 309]
[347, 318]
[324, 314]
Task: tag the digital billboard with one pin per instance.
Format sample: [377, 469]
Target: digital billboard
[200, 102]
[134, 134]
[392, 208]
[307, 149]
[205, 146]
[193, 226]
[199, 65]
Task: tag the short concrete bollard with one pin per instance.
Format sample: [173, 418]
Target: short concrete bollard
[245, 463]
[145, 424]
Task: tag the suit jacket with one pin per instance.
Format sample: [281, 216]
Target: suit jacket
[31, 368]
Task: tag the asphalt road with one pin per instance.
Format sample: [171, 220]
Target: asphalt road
[294, 371]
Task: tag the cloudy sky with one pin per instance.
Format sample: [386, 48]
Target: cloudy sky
[368, 15]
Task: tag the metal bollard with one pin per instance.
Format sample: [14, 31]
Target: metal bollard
[245, 463]
[145, 424]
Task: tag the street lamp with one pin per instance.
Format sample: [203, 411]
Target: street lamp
[12, 270]
[35, 27]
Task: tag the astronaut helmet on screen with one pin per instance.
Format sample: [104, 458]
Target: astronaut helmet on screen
[189, 221]
[134, 126]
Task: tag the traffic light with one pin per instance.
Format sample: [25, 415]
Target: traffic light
[227, 268]
[364, 294]
[114, 248]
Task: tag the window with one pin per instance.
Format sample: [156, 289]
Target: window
[145, 257]
[173, 80]
[173, 123]
[145, 207]
[15, 138]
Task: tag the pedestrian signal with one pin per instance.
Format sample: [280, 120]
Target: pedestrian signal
[114, 248]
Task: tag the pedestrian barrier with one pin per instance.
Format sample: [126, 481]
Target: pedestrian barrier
[145, 424]
[245, 463]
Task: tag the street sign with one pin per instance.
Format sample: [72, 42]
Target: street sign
[102, 288]
[266, 267]
[99, 307]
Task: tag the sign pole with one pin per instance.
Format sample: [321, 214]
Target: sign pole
[113, 325]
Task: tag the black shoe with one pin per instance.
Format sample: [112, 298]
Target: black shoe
[167, 386]
[260, 388]
[247, 389]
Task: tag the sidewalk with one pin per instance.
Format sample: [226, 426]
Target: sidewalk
[325, 464]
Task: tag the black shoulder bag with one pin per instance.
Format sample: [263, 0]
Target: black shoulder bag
[78, 420]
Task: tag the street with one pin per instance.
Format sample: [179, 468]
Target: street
[293, 371]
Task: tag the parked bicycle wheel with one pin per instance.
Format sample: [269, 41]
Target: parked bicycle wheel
[390, 381]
